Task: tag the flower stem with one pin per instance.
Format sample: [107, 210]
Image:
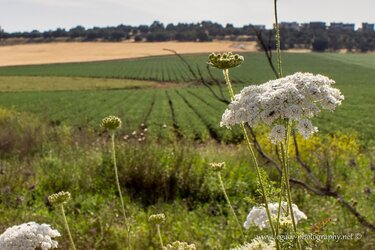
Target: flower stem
[253, 157]
[285, 166]
[119, 188]
[159, 234]
[278, 41]
[230, 204]
[282, 186]
[67, 226]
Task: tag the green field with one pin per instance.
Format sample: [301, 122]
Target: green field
[188, 112]
[51, 140]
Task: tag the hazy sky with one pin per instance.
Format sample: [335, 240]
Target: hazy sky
[26, 15]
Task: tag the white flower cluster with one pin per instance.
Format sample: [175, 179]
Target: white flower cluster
[257, 244]
[297, 97]
[258, 215]
[29, 236]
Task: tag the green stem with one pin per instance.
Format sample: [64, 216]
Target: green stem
[229, 84]
[119, 188]
[253, 157]
[230, 204]
[278, 41]
[160, 238]
[285, 166]
[282, 186]
[67, 226]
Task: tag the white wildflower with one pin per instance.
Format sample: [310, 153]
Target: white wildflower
[258, 215]
[296, 97]
[257, 244]
[277, 134]
[305, 128]
[293, 112]
[29, 236]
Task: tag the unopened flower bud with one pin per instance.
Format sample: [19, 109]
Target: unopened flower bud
[111, 122]
[217, 166]
[225, 60]
[59, 198]
[157, 218]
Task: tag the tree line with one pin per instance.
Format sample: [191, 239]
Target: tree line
[307, 37]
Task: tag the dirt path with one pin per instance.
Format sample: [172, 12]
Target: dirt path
[96, 51]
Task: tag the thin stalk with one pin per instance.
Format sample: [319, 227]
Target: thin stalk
[253, 157]
[229, 84]
[67, 226]
[280, 200]
[278, 41]
[119, 188]
[230, 204]
[285, 166]
[159, 234]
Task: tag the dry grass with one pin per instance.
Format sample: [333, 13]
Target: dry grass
[96, 51]
[36, 83]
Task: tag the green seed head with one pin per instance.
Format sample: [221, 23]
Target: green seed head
[225, 60]
[217, 166]
[157, 218]
[111, 122]
[179, 245]
[59, 198]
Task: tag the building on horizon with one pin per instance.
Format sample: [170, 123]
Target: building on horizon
[342, 26]
[368, 26]
[290, 25]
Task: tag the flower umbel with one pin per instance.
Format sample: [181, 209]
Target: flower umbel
[258, 216]
[297, 97]
[111, 122]
[257, 244]
[179, 245]
[59, 198]
[157, 218]
[225, 60]
[217, 166]
[29, 235]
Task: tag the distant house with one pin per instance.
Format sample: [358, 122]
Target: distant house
[316, 25]
[289, 25]
[367, 26]
[342, 26]
[260, 27]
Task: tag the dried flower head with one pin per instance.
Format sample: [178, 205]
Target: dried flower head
[29, 235]
[258, 215]
[179, 245]
[59, 198]
[296, 98]
[217, 166]
[257, 244]
[225, 60]
[111, 122]
[157, 218]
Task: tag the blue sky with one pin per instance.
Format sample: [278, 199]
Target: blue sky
[26, 15]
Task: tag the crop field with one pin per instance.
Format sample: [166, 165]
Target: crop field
[37, 83]
[170, 111]
[51, 140]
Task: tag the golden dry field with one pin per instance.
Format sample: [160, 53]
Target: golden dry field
[96, 51]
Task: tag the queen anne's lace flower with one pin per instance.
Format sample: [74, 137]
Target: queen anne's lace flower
[305, 128]
[29, 236]
[258, 215]
[257, 244]
[277, 134]
[179, 245]
[297, 97]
